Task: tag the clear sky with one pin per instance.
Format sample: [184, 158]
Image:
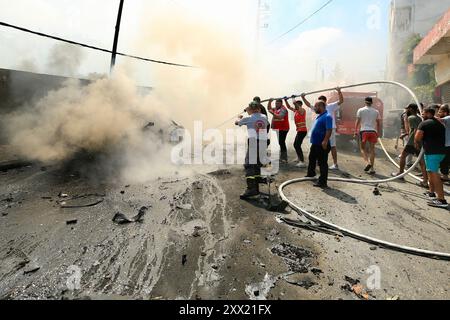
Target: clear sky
[344, 28]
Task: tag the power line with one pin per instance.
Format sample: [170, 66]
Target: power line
[92, 47]
[302, 22]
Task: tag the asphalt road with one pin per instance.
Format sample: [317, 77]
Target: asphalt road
[199, 241]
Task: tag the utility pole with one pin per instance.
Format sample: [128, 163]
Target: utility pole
[262, 15]
[116, 36]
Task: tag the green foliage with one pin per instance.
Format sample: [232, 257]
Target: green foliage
[422, 80]
[425, 93]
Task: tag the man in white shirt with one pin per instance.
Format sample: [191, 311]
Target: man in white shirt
[332, 108]
[368, 124]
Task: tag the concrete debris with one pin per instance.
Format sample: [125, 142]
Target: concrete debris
[377, 192]
[184, 206]
[260, 291]
[198, 231]
[297, 259]
[120, 218]
[316, 271]
[31, 269]
[273, 235]
[306, 284]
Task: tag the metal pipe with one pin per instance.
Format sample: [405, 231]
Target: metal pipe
[351, 86]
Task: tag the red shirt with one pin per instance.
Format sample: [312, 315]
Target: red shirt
[300, 121]
[283, 124]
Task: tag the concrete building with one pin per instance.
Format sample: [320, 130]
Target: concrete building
[435, 49]
[409, 17]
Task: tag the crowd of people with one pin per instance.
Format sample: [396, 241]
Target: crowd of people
[430, 130]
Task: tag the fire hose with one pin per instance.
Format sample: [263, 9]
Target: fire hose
[353, 234]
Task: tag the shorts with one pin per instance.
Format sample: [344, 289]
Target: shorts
[433, 162]
[369, 136]
[333, 139]
[412, 150]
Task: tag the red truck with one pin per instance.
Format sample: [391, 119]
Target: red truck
[346, 116]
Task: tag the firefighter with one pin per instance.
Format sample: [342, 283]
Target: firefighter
[281, 124]
[257, 125]
[302, 130]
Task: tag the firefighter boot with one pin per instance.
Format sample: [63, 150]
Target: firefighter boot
[252, 190]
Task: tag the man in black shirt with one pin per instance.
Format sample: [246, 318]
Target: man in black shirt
[431, 133]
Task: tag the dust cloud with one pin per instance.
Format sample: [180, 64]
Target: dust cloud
[65, 59]
[108, 114]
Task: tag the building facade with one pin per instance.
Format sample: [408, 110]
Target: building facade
[435, 49]
[407, 18]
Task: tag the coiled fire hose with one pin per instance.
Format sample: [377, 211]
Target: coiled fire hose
[350, 233]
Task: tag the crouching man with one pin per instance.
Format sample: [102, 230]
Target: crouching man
[257, 125]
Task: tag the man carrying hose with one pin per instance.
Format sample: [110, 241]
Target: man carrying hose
[444, 117]
[320, 145]
[257, 124]
[331, 108]
[431, 133]
[368, 124]
[411, 126]
[281, 124]
[302, 130]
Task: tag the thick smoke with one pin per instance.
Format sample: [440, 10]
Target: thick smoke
[65, 59]
[108, 115]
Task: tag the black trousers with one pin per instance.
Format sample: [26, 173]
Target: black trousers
[282, 140]
[298, 145]
[255, 150]
[445, 164]
[319, 156]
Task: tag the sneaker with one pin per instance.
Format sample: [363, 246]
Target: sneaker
[367, 169]
[430, 195]
[396, 174]
[334, 167]
[438, 204]
[372, 172]
[301, 165]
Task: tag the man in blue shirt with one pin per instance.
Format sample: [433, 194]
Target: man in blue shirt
[321, 147]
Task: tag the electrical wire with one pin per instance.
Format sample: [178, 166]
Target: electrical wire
[302, 22]
[7, 25]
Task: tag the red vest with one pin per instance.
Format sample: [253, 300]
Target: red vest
[300, 122]
[281, 125]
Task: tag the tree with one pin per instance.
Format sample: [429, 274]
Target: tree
[422, 79]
